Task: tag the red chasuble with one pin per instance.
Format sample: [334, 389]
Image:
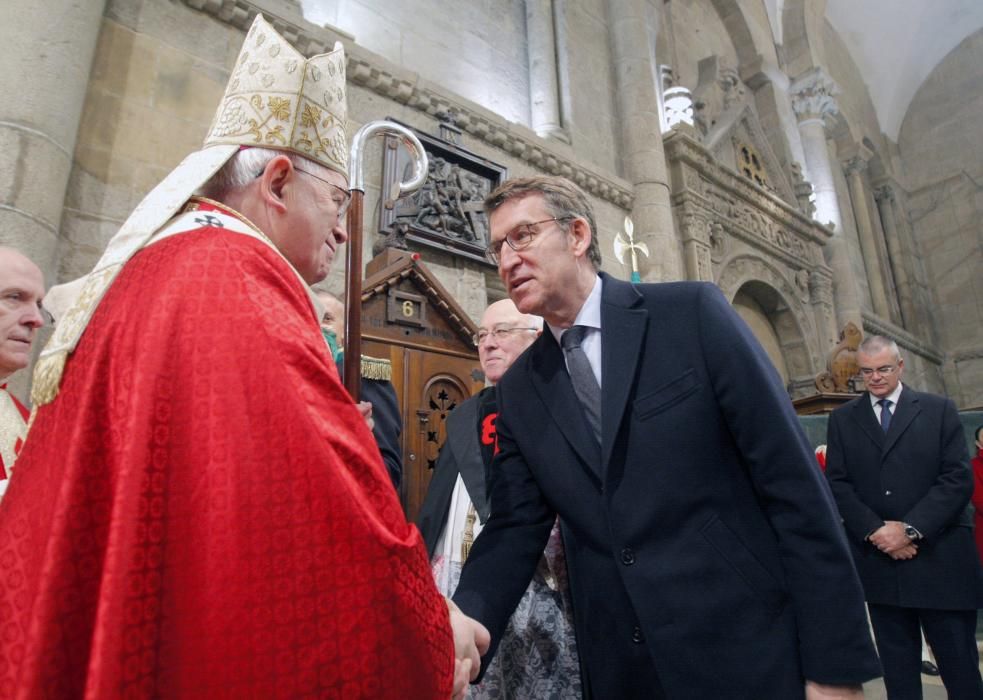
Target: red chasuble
[202, 511]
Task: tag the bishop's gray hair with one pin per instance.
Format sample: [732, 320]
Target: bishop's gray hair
[245, 166]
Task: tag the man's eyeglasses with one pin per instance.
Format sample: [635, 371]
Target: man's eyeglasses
[883, 371]
[520, 238]
[498, 334]
[341, 200]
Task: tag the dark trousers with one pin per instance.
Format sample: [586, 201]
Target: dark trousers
[950, 633]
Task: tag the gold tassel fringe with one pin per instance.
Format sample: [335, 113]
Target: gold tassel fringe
[47, 378]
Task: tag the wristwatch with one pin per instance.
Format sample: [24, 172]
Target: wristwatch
[911, 533]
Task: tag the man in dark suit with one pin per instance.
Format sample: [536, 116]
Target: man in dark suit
[897, 463]
[705, 555]
[503, 335]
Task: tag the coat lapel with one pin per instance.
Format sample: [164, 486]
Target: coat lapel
[462, 434]
[864, 415]
[903, 415]
[622, 334]
[550, 380]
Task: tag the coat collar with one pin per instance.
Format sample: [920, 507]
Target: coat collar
[623, 326]
[902, 417]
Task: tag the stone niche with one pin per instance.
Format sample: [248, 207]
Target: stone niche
[750, 240]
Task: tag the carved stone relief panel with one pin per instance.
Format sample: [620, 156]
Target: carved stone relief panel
[445, 213]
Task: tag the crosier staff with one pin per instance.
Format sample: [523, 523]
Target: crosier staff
[353, 260]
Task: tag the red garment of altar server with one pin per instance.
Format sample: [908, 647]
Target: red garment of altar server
[202, 511]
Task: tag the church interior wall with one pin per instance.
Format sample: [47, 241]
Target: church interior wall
[474, 49]
[849, 232]
[591, 120]
[853, 99]
[161, 66]
[941, 150]
[697, 32]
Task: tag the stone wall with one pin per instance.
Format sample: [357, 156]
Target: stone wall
[160, 67]
[475, 49]
[941, 149]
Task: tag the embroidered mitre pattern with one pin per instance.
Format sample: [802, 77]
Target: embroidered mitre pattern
[277, 99]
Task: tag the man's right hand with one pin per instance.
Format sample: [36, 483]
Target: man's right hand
[907, 552]
[471, 640]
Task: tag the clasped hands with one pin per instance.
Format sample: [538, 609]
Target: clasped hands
[890, 539]
[471, 641]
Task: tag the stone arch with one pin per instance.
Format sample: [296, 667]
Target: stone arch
[783, 303]
[802, 35]
[732, 15]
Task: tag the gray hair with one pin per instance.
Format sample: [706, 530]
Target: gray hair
[563, 198]
[245, 166]
[873, 344]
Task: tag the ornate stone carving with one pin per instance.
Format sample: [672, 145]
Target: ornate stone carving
[857, 164]
[803, 190]
[820, 287]
[718, 241]
[814, 95]
[885, 193]
[447, 211]
[719, 87]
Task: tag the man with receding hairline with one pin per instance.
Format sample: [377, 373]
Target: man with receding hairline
[897, 463]
[21, 315]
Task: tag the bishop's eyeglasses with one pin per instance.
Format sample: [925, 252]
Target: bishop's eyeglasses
[341, 198]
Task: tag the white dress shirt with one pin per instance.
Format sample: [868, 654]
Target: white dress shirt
[589, 316]
[892, 397]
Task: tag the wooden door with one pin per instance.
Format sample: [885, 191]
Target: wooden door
[429, 385]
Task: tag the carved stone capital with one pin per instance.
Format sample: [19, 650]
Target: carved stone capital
[854, 165]
[813, 95]
[885, 193]
[820, 287]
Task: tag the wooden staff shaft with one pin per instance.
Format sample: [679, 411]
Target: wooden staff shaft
[353, 297]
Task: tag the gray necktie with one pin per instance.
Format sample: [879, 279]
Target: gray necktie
[582, 376]
[885, 405]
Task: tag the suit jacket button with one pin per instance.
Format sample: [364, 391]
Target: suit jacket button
[627, 556]
[637, 636]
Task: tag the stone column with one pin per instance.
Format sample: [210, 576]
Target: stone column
[47, 49]
[821, 299]
[813, 101]
[886, 202]
[544, 94]
[633, 29]
[854, 169]
[695, 234]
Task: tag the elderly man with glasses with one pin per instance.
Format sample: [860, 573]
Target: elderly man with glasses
[199, 508]
[538, 655]
[897, 463]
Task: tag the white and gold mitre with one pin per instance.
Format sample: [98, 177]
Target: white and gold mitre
[278, 99]
[275, 98]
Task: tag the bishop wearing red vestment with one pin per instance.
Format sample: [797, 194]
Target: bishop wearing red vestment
[200, 509]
